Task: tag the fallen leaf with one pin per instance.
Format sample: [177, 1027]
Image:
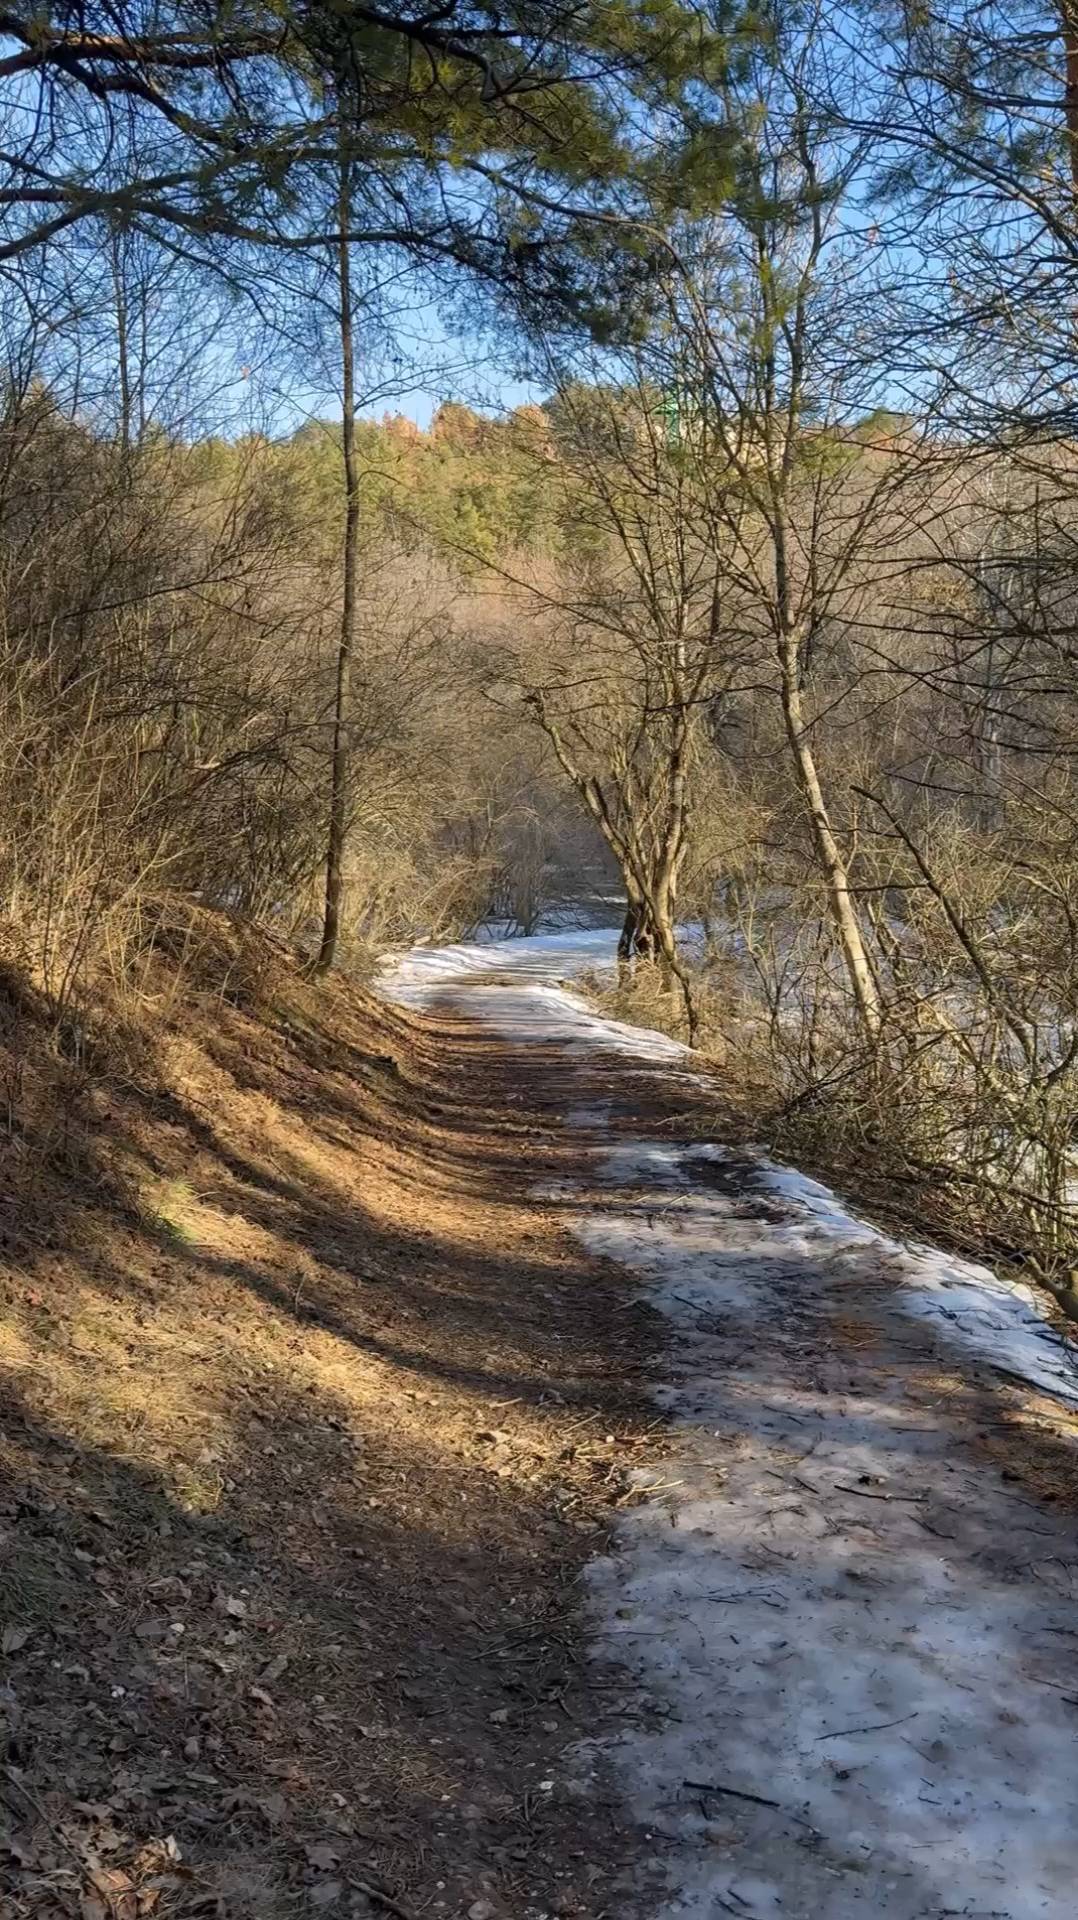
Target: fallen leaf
[326, 1893]
[14, 1638]
[323, 1855]
[117, 1891]
[112, 1881]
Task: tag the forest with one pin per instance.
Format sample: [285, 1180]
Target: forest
[760, 612]
[480, 474]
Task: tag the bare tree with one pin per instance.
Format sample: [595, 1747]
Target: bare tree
[774, 320]
[340, 797]
[636, 647]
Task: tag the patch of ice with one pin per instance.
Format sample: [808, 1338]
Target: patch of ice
[594, 1118]
[416, 977]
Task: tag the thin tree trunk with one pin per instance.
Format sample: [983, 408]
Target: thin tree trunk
[848, 926]
[665, 885]
[639, 935]
[341, 757]
[648, 928]
[1069, 22]
[122, 342]
[631, 929]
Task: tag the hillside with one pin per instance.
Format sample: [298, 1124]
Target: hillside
[440, 1477]
[296, 1484]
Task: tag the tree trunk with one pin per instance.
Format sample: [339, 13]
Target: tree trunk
[123, 367]
[648, 928]
[648, 933]
[854, 952]
[637, 941]
[341, 755]
[1069, 23]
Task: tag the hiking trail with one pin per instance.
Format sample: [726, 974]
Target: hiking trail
[839, 1625]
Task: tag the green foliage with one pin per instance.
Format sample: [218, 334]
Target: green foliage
[479, 488]
[533, 143]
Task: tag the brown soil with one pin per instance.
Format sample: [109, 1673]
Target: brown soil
[311, 1417]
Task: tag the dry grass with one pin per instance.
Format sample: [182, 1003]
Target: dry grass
[304, 1441]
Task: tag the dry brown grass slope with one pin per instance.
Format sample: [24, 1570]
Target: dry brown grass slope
[304, 1441]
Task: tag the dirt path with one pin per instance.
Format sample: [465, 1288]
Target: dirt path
[840, 1627]
[418, 1465]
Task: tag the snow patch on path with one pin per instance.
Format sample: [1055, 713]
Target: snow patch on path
[1003, 1321]
[851, 1652]
[417, 976]
[511, 986]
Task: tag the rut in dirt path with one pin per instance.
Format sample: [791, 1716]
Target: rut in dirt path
[844, 1632]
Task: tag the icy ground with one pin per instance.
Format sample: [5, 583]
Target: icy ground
[848, 1646]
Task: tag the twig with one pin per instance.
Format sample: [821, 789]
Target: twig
[732, 1793]
[653, 1486]
[841, 1732]
[385, 1900]
[12, 1777]
[864, 1494]
[585, 1419]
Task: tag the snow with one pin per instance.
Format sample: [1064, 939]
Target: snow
[841, 1647]
[417, 977]
[1003, 1321]
[509, 985]
[814, 1608]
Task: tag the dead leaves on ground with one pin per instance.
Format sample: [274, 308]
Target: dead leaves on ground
[72, 1867]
